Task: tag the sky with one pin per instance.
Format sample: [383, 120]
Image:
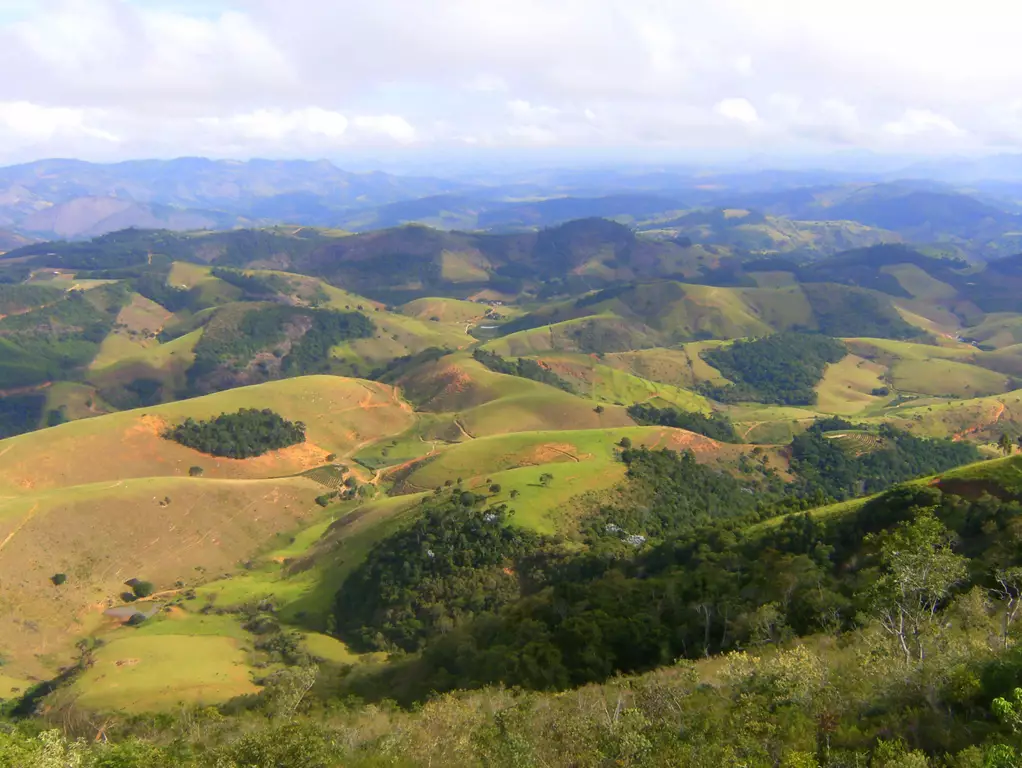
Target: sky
[119, 79]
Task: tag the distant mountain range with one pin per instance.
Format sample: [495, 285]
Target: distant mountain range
[807, 213]
[75, 199]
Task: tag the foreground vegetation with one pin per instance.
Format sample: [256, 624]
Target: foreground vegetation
[879, 635]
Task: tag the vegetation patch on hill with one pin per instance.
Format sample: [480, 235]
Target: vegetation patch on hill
[822, 462]
[783, 368]
[523, 367]
[252, 343]
[716, 426]
[455, 561]
[241, 435]
[54, 341]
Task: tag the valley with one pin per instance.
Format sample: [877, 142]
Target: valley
[484, 432]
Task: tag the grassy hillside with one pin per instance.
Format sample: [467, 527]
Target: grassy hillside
[580, 462]
[600, 381]
[669, 313]
[341, 414]
[753, 233]
[469, 400]
[682, 367]
[161, 529]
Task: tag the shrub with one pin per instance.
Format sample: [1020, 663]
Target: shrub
[195, 471]
[142, 589]
[625, 442]
[58, 579]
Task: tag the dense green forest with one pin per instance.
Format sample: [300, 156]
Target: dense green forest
[55, 340]
[523, 367]
[822, 462]
[300, 340]
[242, 435]
[570, 616]
[713, 584]
[716, 426]
[449, 565]
[20, 413]
[783, 368]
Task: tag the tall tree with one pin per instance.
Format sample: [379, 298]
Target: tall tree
[920, 570]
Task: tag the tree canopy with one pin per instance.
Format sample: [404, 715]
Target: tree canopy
[242, 435]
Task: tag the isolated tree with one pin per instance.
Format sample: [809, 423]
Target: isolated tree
[142, 588]
[625, 442]
[514, 493]
[1009, 592]
[598, 409]
[920, 570]
[195, 471]
[1006, 444]
[286, 689]
[545, 479]
[58, 579]
[495, 488]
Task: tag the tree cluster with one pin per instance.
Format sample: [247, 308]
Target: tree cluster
[716, 426]
[242, 435]
[522, 367]
[783, 368]
[457, 560]
[821, 463]
[300, 338]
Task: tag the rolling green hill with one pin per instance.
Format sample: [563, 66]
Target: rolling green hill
[500, 373]
[750, 232]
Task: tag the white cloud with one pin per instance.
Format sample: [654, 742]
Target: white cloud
[737, 109]
[134, 77]
[24, 122]
[916, 121]
[277, 125]
[390, 126]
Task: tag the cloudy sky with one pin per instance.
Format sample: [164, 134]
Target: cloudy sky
[112, 79]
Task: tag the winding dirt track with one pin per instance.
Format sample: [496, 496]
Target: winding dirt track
[24, 521]
[1001, 408]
